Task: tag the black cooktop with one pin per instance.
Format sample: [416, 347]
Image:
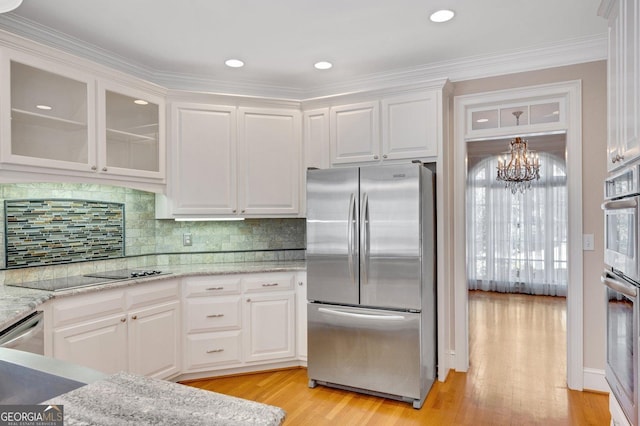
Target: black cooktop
[87, 280]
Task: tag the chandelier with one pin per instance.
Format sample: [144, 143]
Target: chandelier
[521, 166]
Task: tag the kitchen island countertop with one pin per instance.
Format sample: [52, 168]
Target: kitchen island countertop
[16, 302]
[124, 398]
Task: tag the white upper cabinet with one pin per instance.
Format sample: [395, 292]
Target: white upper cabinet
[131, 126]
[47, 118]
[228, 161]
[316, 138]
[623, 76]
[393, 127]
[269, 176]
[355, 133]
[409, 126]
[204, 159]
[58, 120]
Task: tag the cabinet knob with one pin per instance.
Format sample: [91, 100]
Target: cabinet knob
[135, 317]
[104, 169]
[300, 283]
[94, 167]
[123, 320]
[242, 211]
[375, 157]
[248, 300]
[384, 156]
[234, 210]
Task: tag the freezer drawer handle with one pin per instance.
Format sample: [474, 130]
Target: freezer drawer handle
[215, 316]
[362, 316]
[213, 351]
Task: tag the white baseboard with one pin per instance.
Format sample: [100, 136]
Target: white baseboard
[593, 380]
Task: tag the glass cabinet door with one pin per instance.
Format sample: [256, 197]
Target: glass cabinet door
[132, 135]
[49, 119]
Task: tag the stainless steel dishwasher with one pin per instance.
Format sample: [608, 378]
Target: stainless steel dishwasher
[26, 334]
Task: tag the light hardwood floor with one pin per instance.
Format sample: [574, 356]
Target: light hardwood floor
[516, 377]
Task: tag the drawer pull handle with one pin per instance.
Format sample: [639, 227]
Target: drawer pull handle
[215, 288]
[215, 316]
[270, 285]
[212, 351]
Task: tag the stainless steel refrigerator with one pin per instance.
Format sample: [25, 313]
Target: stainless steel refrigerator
[371, 280]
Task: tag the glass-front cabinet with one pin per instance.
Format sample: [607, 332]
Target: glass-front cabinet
[130, 128]
[51, 121]
[62, 120]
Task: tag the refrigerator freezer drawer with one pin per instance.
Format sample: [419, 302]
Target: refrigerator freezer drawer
[368, 349]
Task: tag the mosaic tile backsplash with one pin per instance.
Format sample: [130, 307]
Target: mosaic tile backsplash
[57, 231]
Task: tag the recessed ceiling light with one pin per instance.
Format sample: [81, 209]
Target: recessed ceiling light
[234, 63]
[44, 107]
[141, 102]
[323, 65]
[9, 5]
[443, 15]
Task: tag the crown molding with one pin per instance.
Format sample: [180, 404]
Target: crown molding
[568, 52]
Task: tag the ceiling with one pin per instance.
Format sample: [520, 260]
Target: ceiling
[185, 43]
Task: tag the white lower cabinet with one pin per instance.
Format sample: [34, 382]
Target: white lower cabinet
[270, 325]
[100, 344]
[135, 330]
[154, 336]
[239, 321]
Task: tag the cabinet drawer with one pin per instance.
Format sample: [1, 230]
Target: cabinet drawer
[86, 307]
[213, 314]
[211, 286]
[152, 293]
[212, 349]
[268, 282]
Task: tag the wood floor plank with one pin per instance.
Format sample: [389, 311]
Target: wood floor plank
[517, 376]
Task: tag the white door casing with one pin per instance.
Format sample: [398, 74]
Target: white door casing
[571, 92]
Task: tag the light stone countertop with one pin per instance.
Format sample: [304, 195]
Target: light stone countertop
[17, 302]
[128, 399]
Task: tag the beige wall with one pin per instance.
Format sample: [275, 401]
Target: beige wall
[594, 156]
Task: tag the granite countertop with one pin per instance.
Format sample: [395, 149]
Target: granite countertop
[128, 399]
[17, 302]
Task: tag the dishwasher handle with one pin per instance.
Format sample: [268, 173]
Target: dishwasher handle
[22, 330]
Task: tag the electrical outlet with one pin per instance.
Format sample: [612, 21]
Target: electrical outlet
[587, 242]
[186, 240]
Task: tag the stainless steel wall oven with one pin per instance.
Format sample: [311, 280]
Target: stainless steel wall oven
[622, 280]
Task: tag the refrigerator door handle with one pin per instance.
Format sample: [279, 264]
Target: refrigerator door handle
[362, 316]
[350, 237]
[364, 238]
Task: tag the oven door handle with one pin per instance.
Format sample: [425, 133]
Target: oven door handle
[629, 203]
[617, 285]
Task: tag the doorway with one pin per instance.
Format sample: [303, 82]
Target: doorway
[567, 121]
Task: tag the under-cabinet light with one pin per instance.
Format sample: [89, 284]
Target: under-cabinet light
[44, 107]
[206, 219]
[141, 102]
[482, 120]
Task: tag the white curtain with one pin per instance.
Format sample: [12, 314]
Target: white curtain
[517, 243]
